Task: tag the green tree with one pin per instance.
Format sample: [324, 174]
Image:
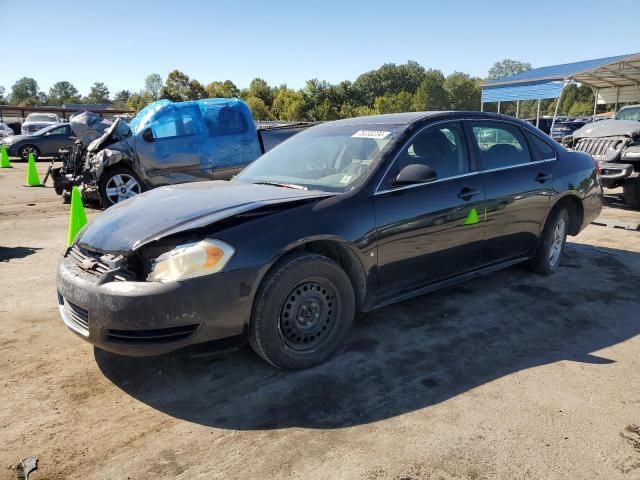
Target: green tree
[464, 91]
[25, 92]
[153, 86]
[258, 108]
[137, 101]
[226, 89]
[196, 90]
[388, 79]
[99, 93]
[2, 99]
[259, 88]
[176, 88]
[507, 67]
[63, 92]
[394, 102]
[431, 94]
[288, 104]
[121, 98]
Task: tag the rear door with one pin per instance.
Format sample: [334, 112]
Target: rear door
[430, 231]
[176, 153]
[517, 184]
[231, 140]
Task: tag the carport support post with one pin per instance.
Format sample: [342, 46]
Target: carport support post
[595, 104]
[555, 113]
[498, 107]
[538, 115]
[517, 108]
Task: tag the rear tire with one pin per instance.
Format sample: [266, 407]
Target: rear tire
[303, 311]
[118, 184]
[631, 190]
[551, 244]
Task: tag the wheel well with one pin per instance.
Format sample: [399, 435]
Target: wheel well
[576, 212]
[342, 255]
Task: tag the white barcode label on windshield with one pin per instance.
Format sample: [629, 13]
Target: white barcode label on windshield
[376, 134]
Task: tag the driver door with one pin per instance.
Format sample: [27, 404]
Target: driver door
[56, 139]
[171, 149]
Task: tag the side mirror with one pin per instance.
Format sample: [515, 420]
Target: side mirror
[416, 173]
[147, 135]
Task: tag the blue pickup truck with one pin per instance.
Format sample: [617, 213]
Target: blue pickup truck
[165, 143]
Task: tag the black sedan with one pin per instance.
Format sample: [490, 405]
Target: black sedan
[43, 143]
[342, 218]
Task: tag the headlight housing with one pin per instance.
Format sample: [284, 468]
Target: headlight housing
[191, 260]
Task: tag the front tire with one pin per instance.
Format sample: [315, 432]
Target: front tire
[117, 185]
[25, 150]
[551, 245]
[303, 311]
[631, 191]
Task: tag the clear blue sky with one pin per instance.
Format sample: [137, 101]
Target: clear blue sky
[121, 42]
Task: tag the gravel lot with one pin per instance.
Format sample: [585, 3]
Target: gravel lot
[510, 376]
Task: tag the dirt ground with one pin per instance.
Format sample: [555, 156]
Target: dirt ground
[511, 376]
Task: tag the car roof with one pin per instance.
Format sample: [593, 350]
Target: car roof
[407, 118]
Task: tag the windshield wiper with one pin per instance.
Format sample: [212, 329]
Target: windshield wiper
[285, 185]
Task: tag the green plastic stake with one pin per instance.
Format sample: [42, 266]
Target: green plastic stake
[472, 218]
[4, 158]
[77, 217]
[33, 180]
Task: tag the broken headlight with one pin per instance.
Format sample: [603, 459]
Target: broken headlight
[191, 260]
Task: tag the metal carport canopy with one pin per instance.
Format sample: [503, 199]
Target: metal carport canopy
[615, 80]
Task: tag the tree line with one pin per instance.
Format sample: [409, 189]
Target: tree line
[390, 88]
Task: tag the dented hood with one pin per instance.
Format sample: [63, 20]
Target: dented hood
[167, 210]
[608, 128]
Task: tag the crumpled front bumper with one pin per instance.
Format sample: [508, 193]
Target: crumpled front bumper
[151, 318]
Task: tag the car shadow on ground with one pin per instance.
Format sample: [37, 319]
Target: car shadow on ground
[406, 356]
[10, 253]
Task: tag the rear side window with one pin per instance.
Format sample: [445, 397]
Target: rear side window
[224, 121]
[542, 150]
[501, 144]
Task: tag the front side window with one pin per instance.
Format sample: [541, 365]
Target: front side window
[58, 131]
[175, 122]
[501, 144]
[442, 148]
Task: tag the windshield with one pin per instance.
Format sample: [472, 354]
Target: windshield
[629, 114]
[41, 117]
[330, 157]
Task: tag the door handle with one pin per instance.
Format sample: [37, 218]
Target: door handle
[466, 193]
[543, 177]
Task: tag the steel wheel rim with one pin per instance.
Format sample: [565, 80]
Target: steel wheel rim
[121, 186]
[557, 242]
[27, 150]
[308, 314]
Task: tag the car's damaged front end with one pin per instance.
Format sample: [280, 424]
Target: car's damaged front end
[100, 145]
[614, 144]
[158, 272]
